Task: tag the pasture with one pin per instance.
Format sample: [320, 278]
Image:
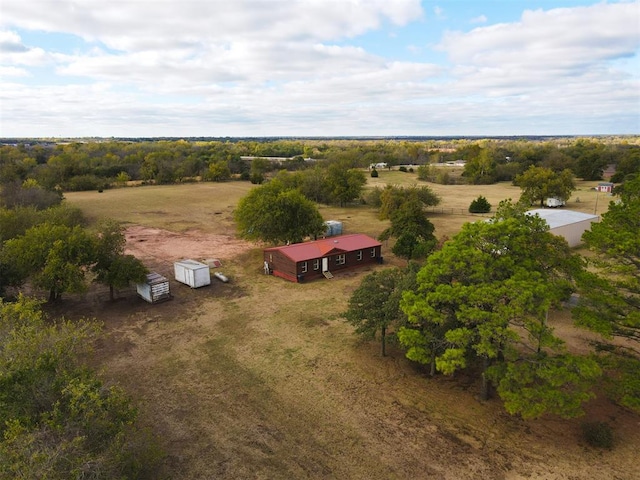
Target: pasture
[261, 378]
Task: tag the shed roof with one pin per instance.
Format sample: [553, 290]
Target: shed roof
[154, 278]
[300, 252]
[191, 264]
[560, 218]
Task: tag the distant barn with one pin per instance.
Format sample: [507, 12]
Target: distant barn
[568, 224]
[311, 260]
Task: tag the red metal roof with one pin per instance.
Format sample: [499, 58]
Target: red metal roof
[299, 252]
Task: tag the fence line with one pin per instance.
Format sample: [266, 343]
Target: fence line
[456, 211]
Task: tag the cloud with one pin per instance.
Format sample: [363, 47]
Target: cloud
[568, 39]
[144, 24]
[13, 52]
[255, 67]
[13, 72]
[10, 42]
[479, 19]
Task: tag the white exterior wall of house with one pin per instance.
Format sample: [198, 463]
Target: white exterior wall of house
[192, 273]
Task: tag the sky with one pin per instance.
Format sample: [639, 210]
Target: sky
[295, 68]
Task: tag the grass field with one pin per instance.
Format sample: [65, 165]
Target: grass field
[208, 207]
[261, 378]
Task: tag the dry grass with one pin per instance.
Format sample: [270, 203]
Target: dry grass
[261, 378]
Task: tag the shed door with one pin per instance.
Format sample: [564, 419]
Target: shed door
[325, 264]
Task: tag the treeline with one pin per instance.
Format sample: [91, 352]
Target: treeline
[95, 165]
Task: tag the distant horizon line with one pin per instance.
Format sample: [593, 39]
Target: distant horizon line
[316, 137]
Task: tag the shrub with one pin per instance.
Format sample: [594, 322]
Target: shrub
[423, 172]
[402, 168]
[598, 434]
[480, 205]
[373, 197]
[256, 178]
[85, 183]
[374, 173]
[443, 178]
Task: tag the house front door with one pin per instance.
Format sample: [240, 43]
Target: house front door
[325, 264]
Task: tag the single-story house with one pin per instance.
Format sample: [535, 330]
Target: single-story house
[567, 223]
[605, 187]
[311, 260]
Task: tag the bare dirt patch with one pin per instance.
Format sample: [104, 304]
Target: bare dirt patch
[163, 246]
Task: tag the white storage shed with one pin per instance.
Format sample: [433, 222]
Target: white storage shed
[567, 223]
[155, 289]
[192, 273]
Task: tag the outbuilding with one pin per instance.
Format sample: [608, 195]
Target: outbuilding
[567, 223]
[154, 289]
[192, 273]
[305, 261]
[606, 187]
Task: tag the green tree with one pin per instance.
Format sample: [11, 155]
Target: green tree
[56, 257]
[480, 169]
[393, 197]
[122, 178]
[344, 184]
[610, 290]
[375, 305]
[485, 295]
[480, 205]
[628, 164]
[276, 215]
[218, 172]
[59, 420]
[589, 157]
[314, 184]
[112, 267]
[29, 193]
[539, 183]
[413, 231]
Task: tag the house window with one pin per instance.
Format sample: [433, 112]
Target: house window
[341, 259]
[359, 255]
[373, 253]
[304, 267]
[316, 264]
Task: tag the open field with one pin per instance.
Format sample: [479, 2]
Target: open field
[261, 378]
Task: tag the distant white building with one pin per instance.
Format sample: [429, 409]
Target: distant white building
[567, 223]
[377, 165]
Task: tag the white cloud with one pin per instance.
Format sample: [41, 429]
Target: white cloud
[13, 52]
[567, 39]
[256, 67]
[479, 19]
[145, 24]
[13, 72]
